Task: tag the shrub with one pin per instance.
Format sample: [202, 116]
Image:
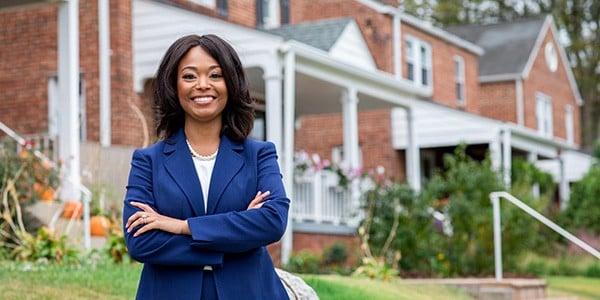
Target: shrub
[303, 262]
[335, 254]
[593, 270]
[46, 246]
[583, 210]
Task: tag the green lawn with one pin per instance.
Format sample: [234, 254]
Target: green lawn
[108, 281]
[582, 287]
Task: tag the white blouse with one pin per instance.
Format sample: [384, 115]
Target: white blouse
[204, 169]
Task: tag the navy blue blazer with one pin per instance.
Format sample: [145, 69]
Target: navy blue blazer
[227, 237]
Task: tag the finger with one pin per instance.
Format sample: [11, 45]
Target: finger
[140, 205]
[135, 220]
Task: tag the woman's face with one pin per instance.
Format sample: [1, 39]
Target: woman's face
[201, 87]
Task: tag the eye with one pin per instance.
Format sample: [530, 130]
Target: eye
[216, 75]
[188, 76]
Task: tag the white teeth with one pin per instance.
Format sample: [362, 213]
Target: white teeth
[203, 99]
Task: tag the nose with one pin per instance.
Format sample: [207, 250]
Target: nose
[202, 83]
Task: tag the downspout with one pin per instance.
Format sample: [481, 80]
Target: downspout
[104, 71]
[520, 105]
[396, 44]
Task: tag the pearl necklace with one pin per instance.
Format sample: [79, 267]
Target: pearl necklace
[201, 157]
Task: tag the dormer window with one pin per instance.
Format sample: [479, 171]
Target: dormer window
[418, 62]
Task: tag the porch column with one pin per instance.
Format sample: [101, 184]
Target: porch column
[273, 103]
[532, 157]
[350, 130]
[563, 186]
[413, 157]
[68, 85]
[351, 142]
[506, 156]
[289, 119]
[104, 71]
[495, 153]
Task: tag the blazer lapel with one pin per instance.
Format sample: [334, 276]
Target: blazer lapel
[180, 166]
[229, 162]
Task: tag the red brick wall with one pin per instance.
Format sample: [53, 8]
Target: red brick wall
[444, 80]
[498, 101]
[553, 84]
[27, 58]
[320, 133]
[316, 243]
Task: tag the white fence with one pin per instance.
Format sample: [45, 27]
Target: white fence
[318, 198]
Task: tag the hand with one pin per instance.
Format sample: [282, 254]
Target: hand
[148, 219]
[258, 200]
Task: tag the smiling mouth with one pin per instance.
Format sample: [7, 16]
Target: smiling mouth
[203, 99]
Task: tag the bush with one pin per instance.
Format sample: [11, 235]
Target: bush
[583, 210]
[303, 262]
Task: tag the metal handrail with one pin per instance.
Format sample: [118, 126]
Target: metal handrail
[82, 188]
[495, 198]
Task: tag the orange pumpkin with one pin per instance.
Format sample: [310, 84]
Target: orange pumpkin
[99, 225]
[47, 194]
[73, 209]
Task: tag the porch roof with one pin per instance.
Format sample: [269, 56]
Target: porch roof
[320, 77]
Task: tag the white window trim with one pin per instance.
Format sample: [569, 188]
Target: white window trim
[206, 3]
[460, 78]
[417, 60]
[569, 124]
[544, 115]
[274, 18]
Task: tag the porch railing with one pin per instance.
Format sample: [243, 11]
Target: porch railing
[37, 144]
[495, 198]
[320, 199]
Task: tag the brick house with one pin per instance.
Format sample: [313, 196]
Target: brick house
[359, 82]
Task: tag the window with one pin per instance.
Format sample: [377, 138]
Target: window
[543, 113]
[459, 75]
[220, 5]
[267, 13]
[418, 62]
[569, 128]
[259, 131]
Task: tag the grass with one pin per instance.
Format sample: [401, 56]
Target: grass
[334, 287]
[106, 281]
[583, 287]
[109, 281]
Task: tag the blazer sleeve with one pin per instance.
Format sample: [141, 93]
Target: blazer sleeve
[157, 246]
[240, 231]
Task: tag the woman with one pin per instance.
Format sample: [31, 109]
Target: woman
[204, 201]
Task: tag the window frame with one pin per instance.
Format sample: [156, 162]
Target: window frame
[460, 80]
[421, 59]
[544, 114]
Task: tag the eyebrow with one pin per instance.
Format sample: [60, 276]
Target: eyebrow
[212, 67]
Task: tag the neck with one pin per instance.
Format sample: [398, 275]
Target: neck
[203, 138]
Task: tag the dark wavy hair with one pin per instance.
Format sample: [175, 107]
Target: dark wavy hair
[238, 115]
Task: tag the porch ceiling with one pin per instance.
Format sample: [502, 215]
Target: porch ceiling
[315, 96]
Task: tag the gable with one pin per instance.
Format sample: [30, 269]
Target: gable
[548, 33]
[352, 48]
